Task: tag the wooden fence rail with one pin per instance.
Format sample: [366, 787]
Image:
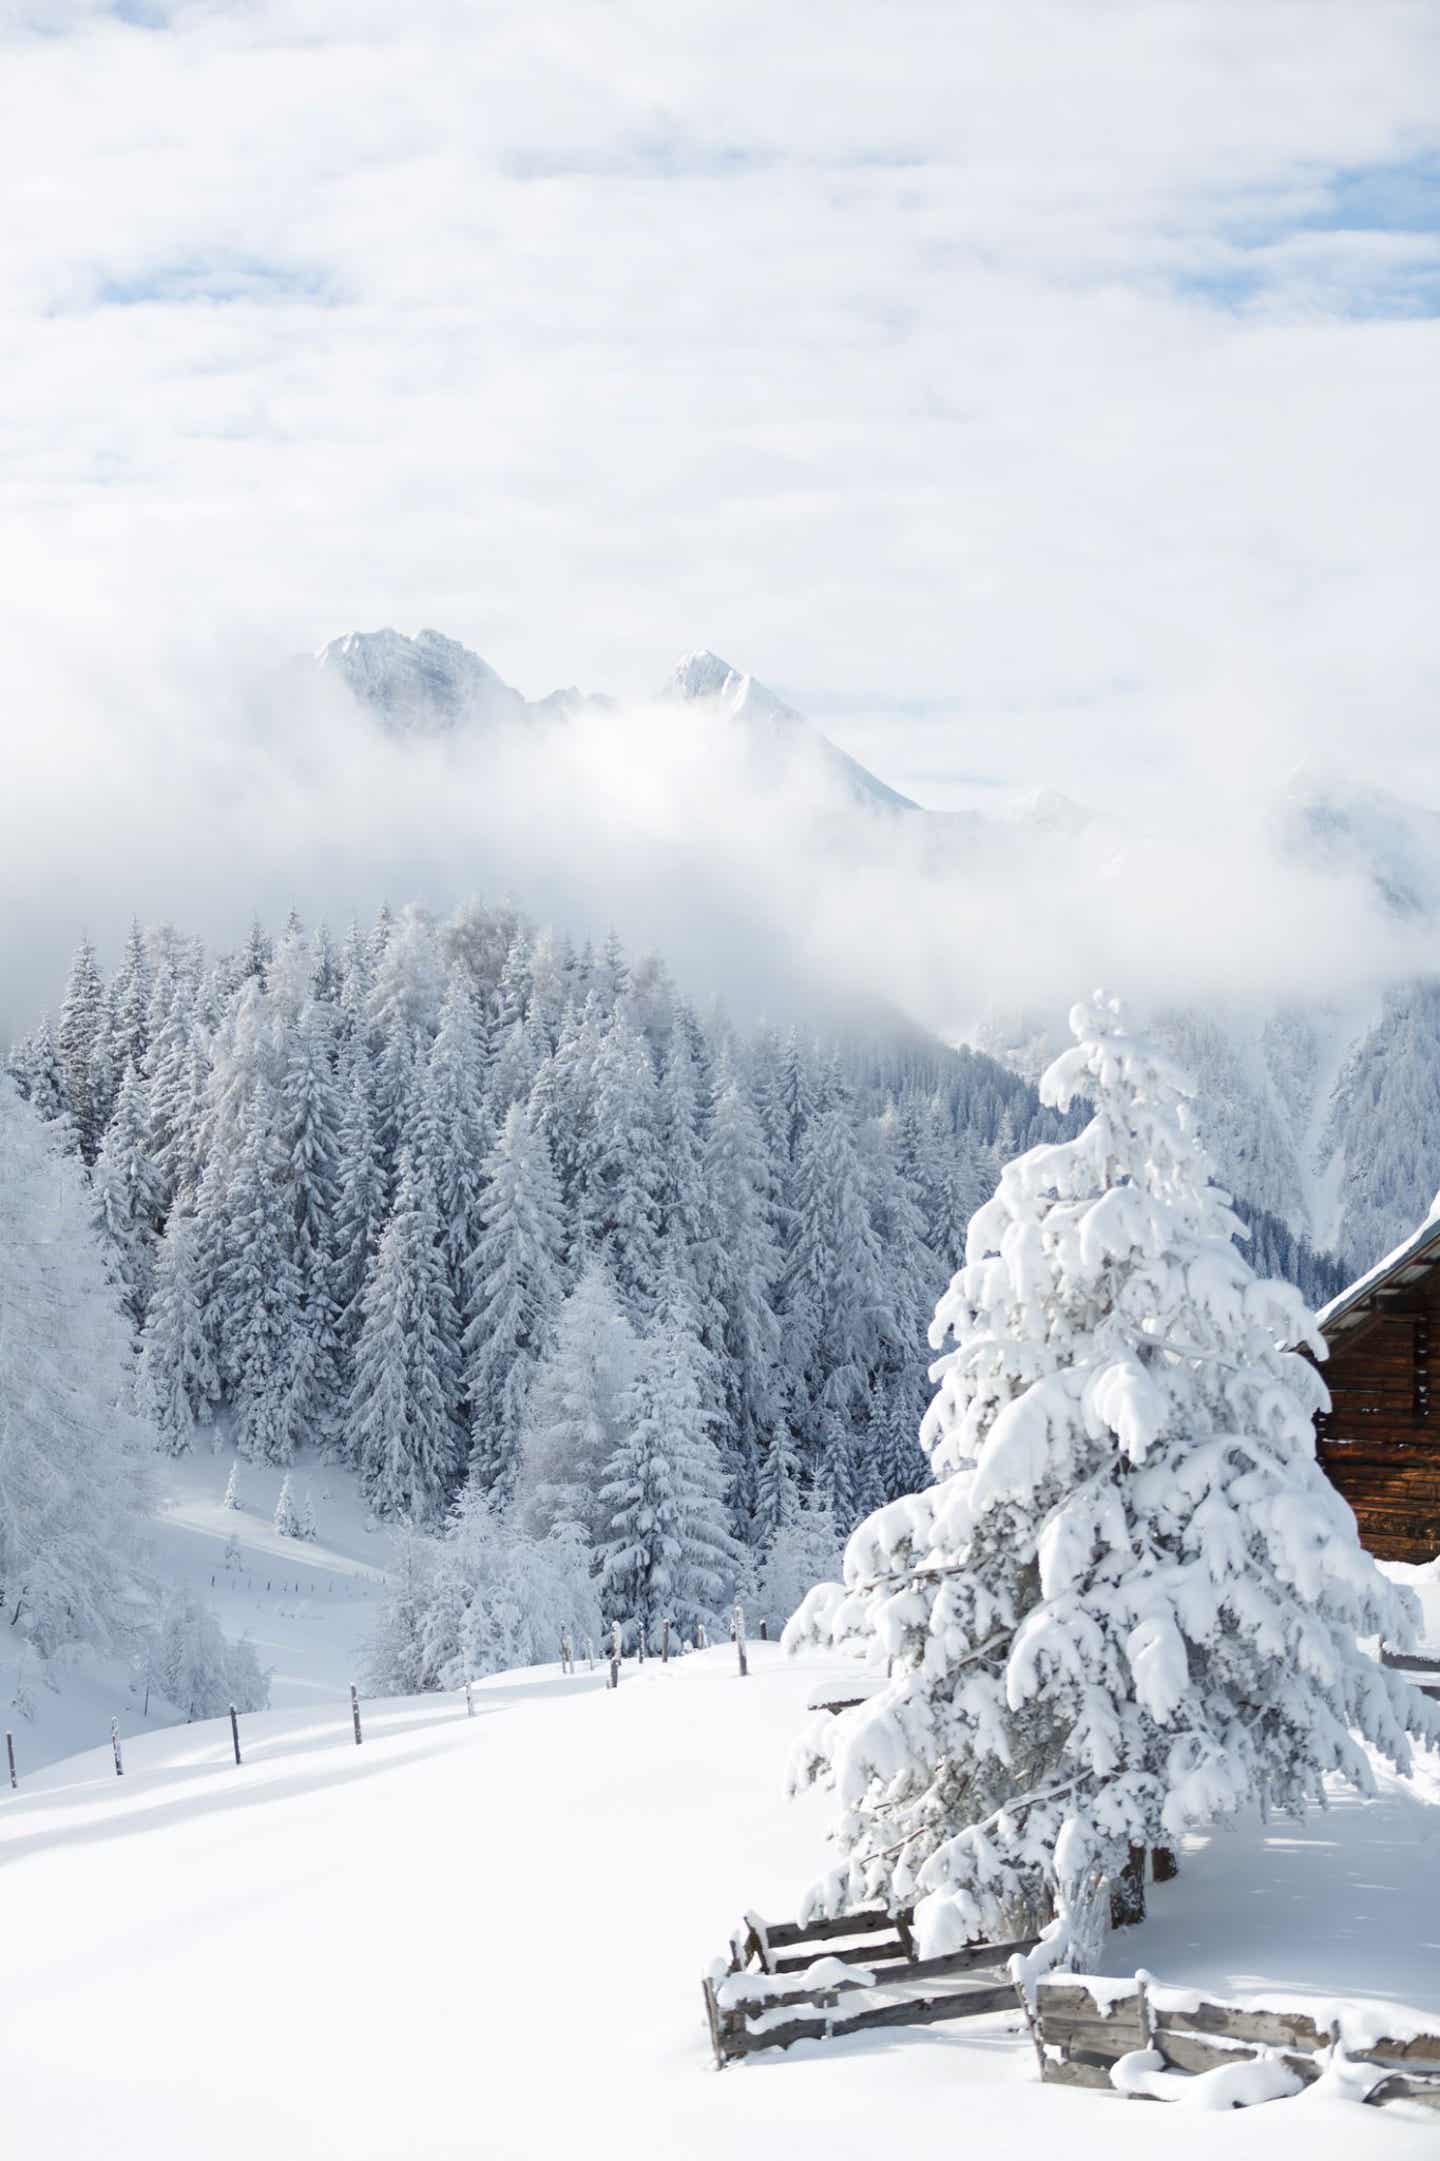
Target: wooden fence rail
[1082, 2028]
[768, 2000]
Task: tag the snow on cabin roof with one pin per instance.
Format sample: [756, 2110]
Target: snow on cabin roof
[1412, 1259]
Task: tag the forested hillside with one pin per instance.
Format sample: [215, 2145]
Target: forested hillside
[476, 1212]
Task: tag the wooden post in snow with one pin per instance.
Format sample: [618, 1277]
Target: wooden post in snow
[764, 1628]
[1164, 1866]
[469, 1698]
[640, 1642]
[615, 1654]
[665, 1641]
[115, 1744]
[567, 1652]
[355, 1712]
[737, 1630]
[10, 1752]
[235, 1732]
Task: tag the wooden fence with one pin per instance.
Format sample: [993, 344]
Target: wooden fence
[789, 1981]
[1082, 2028]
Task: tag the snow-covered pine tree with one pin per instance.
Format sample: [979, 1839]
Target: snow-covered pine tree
[197, 1667]
[404, 1431]
[130, 1003]
[82, 1041]
[309, 1529]
[1131, 1602]
[777, 1500]
[803, 1552]
[561, 1101]
[837, 1311]
[576, 1411]
[620, 1202]
[74, 1461]
[232, 1486]
[519, 1283]
[126, 1186]
[458, 1133]
[668, 1552]
[738, 1267]
[360, 1207]
[179, 1385]
[287, 1516]
[259, 1319]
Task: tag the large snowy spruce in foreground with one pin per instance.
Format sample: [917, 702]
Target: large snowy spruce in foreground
[74, 1478]
[1129, 1604]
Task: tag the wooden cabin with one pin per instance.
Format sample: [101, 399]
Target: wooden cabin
[1380, 1441]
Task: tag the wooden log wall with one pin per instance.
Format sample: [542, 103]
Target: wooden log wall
[1380, 1442]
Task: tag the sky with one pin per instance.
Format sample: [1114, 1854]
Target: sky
[1037, 392]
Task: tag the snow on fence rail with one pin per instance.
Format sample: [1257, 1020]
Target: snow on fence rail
[1151, 2041]
[804, 1970]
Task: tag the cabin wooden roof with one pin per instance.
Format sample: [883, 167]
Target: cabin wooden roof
[1397, 1274]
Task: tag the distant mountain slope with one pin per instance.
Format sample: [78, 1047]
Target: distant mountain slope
[1318, 1110]
[703, 678]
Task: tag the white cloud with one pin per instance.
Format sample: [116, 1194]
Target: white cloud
[1003, 380]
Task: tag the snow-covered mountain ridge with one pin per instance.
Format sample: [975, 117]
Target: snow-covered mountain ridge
[1291, 1085]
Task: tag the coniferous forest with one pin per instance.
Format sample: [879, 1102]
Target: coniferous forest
[506, 1226]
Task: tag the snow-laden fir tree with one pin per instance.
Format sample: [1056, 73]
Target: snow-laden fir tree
[625, 1176]
[1130, 1603]
[178, 1381]
[777, 1501]
[82, 1039]
[404, 1432]
[668, 1553]
[257, 1316]
[804, 1551]
[126, 1186]
[458, 1135]
[74, 1461]
[518, 1286]
[202, 1672]
[232, 1486]
[837, 1305]
[738, 1268]
[360, 1206]
[308, 1530]
[576, 1412]
[287, 1516]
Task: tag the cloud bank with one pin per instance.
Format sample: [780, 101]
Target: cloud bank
[204, 794]
[1023, 388]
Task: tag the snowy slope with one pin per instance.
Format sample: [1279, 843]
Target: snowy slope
[486, 1938]
[309, 1609]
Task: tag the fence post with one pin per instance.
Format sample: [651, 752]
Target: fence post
[235, 1732]
[355, 1712]
[10, 1752]
[665, 1641]
[640, 1642]
[737, 1630]
[765, 1628]
[115, 1744]
[615, 1654]
[469, 1698]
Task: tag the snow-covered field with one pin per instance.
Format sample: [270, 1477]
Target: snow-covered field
[486, 1937]
[308, 1608]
